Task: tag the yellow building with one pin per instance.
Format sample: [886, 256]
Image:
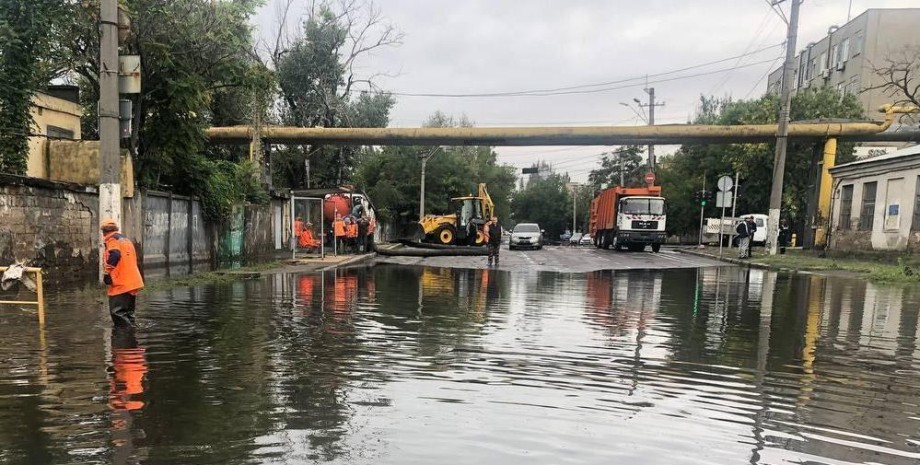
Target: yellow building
[56, 115]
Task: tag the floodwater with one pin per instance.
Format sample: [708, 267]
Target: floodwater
[408, 365]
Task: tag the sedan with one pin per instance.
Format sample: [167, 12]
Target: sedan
[586, 240]
[526, 235]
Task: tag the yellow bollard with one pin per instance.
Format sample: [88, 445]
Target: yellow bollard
[792, 242]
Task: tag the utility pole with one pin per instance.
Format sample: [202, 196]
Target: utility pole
[109, 158]
[574, 207]
[651, 122]
[782, 136]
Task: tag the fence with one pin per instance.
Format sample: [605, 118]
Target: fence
[39, 294]
[175, 239]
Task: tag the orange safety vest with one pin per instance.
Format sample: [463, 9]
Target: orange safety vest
[338, 227]
[307, 240]
[120, 263]
[351, 230]
[298, 227]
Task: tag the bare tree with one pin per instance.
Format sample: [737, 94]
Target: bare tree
[900, 76]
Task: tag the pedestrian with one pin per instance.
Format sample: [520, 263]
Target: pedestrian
[782, 238]
[351, 233]
[744, 239]
[493, 231]
[298, 226]
[338, 231]
[307, 240]
[363, 225]
[122, 276]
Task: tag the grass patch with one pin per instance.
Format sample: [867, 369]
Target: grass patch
[904, 271]
[219, 276]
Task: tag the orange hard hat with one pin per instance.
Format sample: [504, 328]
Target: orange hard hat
[108, 223]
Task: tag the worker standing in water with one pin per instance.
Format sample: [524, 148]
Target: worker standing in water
[493, 232]
[122, 276]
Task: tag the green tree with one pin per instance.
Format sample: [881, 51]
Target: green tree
[317, 79]
[628, 160]
[392, 176]
[27, 63]
[544, 200]
[683, 172]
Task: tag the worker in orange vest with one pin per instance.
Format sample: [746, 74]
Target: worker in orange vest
[307, 240]
[351, 233]
[338, 229]
[122, 276]
[298, 227]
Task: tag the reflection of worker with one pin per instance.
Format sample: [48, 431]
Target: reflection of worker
[122, 275]
[493, 230]
[126, 389]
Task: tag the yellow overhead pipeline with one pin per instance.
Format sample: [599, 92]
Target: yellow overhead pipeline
[507, 136]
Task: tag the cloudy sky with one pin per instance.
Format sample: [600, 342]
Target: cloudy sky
[598, 50]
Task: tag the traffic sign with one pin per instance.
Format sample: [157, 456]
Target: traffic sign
[726, 183]
[724, 199]
[650, 178]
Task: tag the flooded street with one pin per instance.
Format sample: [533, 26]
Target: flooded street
[399, 364]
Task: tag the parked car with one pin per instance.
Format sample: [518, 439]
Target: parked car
[527, 235]
[575, 238]
[760, 236]
[586, 240]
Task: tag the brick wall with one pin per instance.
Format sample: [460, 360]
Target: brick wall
[51, 225]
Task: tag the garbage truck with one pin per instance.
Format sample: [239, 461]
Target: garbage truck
[630, 217]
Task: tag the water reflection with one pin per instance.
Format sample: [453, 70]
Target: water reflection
[401, 364]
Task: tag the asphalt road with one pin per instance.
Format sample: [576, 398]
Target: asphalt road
[566, 259]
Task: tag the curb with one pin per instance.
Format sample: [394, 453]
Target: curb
[734, 261]
[351, 261]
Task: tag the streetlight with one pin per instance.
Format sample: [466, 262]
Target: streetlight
[421, 201]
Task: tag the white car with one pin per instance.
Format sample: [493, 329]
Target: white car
[760, 236]
[586, 240]
[527, 235]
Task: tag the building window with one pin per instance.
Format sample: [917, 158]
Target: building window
[812, 68]
[844, 50]
[823, 60]
[858, 44]
[867, 213]
[846, 208]
[55, 132]
[915, 225]
[835, 56]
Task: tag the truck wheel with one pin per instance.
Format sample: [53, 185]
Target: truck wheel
[617, 245]
[445, 234]
[656, 248]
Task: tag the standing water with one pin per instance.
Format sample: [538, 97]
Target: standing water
[408, 365]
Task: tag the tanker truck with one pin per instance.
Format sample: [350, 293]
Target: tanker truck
[631, 217]
[350, 203]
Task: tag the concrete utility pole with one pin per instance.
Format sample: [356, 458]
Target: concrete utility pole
[421, 200]
[109, 158]
[782, 136]
[651, 122]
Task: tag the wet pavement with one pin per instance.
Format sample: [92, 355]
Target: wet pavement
[567, 259]
[419, 365]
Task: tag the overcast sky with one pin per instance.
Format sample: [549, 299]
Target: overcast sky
[500, 46]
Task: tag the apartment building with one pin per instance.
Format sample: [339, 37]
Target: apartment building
[845, 58]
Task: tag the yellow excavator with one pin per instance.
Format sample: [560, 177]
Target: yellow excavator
[464, 226]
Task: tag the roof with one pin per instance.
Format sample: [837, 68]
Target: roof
[897, 155]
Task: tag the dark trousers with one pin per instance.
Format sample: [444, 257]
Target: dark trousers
[493, 251]
[121, 308]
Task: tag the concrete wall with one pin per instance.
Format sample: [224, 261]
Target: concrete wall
[77, 161]
[49, 111]
[896, 191]
[52, 225]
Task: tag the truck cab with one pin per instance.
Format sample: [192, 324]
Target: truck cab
[640, 221]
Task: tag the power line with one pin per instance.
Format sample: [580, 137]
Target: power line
[585, 87]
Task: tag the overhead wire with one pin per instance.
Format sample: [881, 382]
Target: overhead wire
[587, 88]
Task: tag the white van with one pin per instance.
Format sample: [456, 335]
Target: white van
[760, 236]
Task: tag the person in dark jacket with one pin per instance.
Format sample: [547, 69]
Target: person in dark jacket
[745, 232]
[493, 230]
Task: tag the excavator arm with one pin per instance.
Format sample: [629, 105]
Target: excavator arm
[488, 207]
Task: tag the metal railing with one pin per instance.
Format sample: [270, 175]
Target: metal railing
[39, 294]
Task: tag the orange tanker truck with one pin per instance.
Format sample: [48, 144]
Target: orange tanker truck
[631, 217]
